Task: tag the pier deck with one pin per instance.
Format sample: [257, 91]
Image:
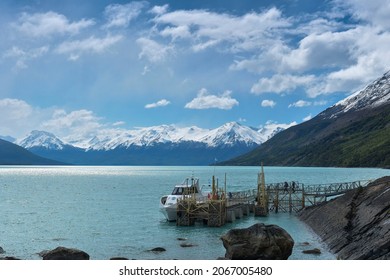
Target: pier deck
[278, 197]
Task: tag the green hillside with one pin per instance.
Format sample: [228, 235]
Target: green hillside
[357, 139]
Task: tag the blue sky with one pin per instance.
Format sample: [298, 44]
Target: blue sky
[82, 66]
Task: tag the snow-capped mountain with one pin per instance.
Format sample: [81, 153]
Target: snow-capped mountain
[41, 139]
[230, 134]
[375, 94]
[165, 144]
[145, 136]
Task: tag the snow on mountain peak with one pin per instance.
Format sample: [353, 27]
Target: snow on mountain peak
[373, 95]
[229, 134]
[232, 133]
[41, 139]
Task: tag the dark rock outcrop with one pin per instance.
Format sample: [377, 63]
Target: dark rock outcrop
[314, 251]
[8, 258]
[62, 253]
[357, 224]
[157, 250]
[258, 242]
[2, 250]
[186, 245]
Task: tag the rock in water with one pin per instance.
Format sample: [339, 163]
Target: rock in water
[314, 251]
[258, 242]
[157, 250]
[62, 253]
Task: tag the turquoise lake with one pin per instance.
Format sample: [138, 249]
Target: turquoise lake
[110, 211]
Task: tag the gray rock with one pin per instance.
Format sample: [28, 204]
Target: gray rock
[2, 250]
[62, 253]
[258, 242]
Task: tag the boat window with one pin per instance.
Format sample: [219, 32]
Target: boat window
[177, 191]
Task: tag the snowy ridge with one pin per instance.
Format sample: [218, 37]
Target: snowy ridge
[41, 139]
[229, 134]
[373, 95]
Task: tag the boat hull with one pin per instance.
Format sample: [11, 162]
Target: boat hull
[169, 212]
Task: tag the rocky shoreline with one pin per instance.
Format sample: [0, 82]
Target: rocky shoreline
[356, 225]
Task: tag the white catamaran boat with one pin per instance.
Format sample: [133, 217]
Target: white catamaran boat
[190, 186]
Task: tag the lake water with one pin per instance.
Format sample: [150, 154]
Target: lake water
[113, 211]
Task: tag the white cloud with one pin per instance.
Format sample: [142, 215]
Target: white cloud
[176, 32]
[304, 103]
[242, 33]
[23, 56]
[153, 51]
[204, 100]
[300, 103]
[329, 49]
[76, 125]
[159, 10]
[268, 103]
[339, 56]
[119, 123]
[14, 109]
[160, 103]
[92, 44]
[146, 70]
[376, 12]
[18, 117]
[120, 15]
[281, 83]
[50, 23]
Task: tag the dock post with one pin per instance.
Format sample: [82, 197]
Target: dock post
[303, 197]
[261, 208]
[277, 199]
[184, 213]
[217, 213]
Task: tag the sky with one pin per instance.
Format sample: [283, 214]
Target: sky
[79, 67]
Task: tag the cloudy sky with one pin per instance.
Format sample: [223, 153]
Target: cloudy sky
[77, 67]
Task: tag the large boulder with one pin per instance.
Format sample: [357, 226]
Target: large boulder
[62, 253]
[258, 242]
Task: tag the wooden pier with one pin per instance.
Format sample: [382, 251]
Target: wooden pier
[288, 197]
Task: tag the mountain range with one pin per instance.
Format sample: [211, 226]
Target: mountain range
[11, 154]
[157, 145]
[355, 132]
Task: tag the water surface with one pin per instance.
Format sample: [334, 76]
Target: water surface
[113, 211]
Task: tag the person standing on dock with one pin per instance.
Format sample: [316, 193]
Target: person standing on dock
[285, 187]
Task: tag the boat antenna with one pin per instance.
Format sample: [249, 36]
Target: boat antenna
[215, 164]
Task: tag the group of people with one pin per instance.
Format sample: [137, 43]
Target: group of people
[287, 187]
